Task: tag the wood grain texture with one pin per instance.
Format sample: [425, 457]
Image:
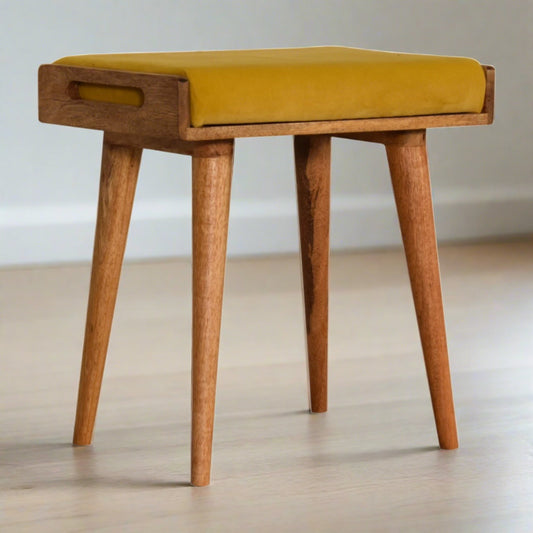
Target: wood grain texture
[158, 115]
[170, 144]
[166, 109]
[488, 106]
[211, 196]
[402, 138]
[313, 164]
[412, 192]
[336, 126]
[120, 167]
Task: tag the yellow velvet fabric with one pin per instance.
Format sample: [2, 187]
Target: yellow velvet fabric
[302, 84]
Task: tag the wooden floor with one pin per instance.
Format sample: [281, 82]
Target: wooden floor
[369, 464]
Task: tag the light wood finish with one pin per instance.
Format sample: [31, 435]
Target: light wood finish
[172, 145]
[488, 105]
[313, 163]
[159, 114]
[401, 138]
[120, 167]
[211, 196]
[337, 126]
[370, 464]
[165, 111]
[412, 192]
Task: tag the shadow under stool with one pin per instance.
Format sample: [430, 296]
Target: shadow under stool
[196, 104]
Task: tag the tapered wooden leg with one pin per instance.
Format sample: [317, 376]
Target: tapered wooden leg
[410, 178]
[313, 158]
[212, 169]
[120, 166]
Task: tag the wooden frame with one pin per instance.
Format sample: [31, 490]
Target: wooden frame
[165, 110]
[162, 122]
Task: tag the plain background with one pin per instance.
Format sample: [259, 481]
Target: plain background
[49, 174]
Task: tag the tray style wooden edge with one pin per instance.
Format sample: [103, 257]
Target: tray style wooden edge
[165, 111]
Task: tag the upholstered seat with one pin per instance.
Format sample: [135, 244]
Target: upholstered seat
[302, 84]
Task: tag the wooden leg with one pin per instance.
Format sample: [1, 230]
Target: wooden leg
[212, 169]
[313, 157]
[120, 166]
[410, 178]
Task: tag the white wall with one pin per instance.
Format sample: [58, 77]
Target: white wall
[49, 174]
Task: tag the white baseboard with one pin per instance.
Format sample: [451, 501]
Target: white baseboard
[159, 229]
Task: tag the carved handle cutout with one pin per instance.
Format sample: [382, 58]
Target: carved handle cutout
[112, 94]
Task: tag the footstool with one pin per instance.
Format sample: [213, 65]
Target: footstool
[196, 104]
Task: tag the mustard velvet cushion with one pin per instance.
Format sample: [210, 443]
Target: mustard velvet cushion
[303, 84]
